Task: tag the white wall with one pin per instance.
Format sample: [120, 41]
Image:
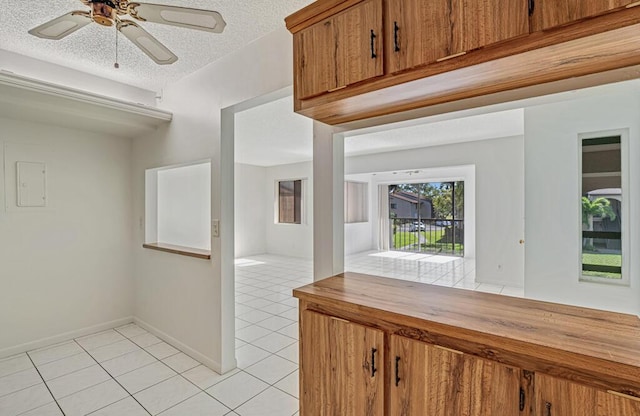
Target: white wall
[251, 206]
[184, 205]
[499, 177]
[358, 237]
[295, 240]
[192, 300]
[66, 269]
[552, 199]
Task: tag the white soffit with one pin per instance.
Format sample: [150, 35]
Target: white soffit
[92, 48]
[466, 129]
[272, 134]
[33, 100]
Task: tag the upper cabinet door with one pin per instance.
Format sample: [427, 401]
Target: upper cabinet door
[557, 397]
[341, 367]
[551, 13]
[434, 381]
[612, 404]
[491, 21]
[419, 32]
[338, 51]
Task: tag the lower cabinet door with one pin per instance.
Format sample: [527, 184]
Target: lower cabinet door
[428, 380]
[341, 367]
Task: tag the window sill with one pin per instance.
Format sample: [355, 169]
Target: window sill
[183, 251]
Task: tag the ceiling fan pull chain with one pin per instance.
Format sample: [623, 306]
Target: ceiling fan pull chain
[116, 65]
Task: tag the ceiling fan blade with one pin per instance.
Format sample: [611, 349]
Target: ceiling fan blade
[199, 19]
[147, 43]
[62, 26]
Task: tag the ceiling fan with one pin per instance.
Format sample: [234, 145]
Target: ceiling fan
[110, 12]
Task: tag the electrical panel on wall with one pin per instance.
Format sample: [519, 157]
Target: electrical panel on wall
[31, 184]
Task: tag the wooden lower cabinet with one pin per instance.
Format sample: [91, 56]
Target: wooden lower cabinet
[435, 381]
[558, 397]
[341, 367]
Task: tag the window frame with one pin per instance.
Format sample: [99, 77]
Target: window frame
[625, 210]
[276, 206]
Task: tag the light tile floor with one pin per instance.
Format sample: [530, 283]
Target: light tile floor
[130, 372]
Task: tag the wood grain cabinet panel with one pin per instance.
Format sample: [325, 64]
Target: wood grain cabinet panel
[486, 22]
[612, 404]
[420, 32]
[339, 51]
[558, 397]
[551, 13]
[434, 381]
[341, 367]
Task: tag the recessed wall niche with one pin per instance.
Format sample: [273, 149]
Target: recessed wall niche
[178, 205]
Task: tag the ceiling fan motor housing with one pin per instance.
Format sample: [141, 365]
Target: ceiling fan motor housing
[104, 12]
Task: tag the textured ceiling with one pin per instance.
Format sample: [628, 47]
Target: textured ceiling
[92, 49]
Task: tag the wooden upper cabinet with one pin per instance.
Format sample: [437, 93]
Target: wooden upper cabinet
[341, 366]
[487, 22]
[420, 32]
[434, 381]
[551, 13]
[338, 51]
[612, 404]
[558, 397]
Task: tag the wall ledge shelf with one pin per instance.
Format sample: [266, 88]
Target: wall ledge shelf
[181, 250]
[35, 100]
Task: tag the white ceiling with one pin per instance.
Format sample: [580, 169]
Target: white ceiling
[92, 49]
[272, 134]
[479, 127]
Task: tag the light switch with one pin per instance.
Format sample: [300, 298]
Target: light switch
[215, 228]
[32, 184]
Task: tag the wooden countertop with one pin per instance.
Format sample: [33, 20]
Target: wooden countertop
[581, 344]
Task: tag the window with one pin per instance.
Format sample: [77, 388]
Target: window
[290, 202]
[356, 202]
[603, 211]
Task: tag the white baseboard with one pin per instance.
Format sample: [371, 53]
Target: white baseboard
[67, 336]
[214, 365]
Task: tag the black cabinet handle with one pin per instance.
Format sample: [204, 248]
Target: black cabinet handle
[397, 371]
[548, 409]
[522, 399]
[373, 49]
[396, 28]
[532, 6]
[373, 362]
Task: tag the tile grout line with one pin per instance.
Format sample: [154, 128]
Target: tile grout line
[113, 378]
[46, 385]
